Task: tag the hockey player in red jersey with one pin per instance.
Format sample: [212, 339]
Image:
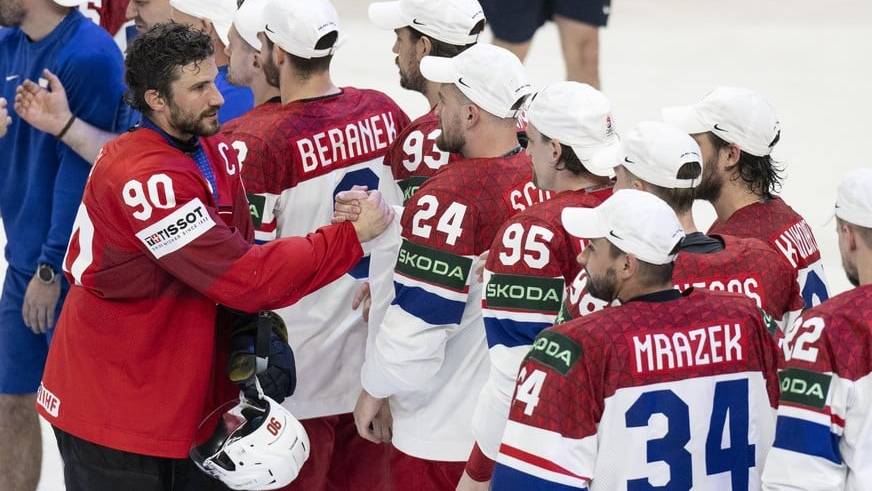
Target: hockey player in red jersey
[668, 390]
[737, 130]
[660, 159]
[441, 28]
[823, 437]
[569, 123]
[246, 135]
[110, 15]
[323, 140]
[429, 354]
[162, 235]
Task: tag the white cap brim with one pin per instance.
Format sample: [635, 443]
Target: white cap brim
[584, 223]
[604, 162]
[599, 160]
[222, 28]
[439, 70]
[685, 118]
[387, 15]
[70, 3]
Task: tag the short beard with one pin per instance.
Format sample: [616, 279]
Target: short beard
[193, 125]
[853, 275]
[271, 72]
[711, 184]
[449, 144]
[604, 287]
[11, 13]
[414, 80]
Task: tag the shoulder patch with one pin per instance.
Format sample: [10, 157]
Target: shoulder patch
[528, 293]
[769, 322]
[410, 186]
[556, 351]
[257, 206]
[177, 229]
[805, 387]
[433, 266]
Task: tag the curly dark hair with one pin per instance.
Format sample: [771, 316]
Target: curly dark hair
[154, 60]
[762, 175]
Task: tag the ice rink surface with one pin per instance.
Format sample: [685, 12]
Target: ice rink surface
[810, 57]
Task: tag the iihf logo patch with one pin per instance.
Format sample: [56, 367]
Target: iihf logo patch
[610, 127]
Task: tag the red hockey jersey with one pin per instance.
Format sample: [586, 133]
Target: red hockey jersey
[823, 438]
[246, 133]
[670, 388]
[109, 14]
[414, 156]
[429, 353]
[745, 266]
[151, 253]
[311, 150]
[530, 261]
[777, 224]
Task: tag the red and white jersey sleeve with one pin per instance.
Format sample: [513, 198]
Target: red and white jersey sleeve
[529, 262]
[823, 438]
[777, 224]
[152, 251]
[429, 353]
[679, 392]
[313, 149]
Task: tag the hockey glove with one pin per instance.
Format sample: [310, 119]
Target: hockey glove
[259, 346]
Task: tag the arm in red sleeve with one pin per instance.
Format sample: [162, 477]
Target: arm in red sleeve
[191, 241]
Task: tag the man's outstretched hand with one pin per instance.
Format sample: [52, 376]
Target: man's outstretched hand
[45, 110]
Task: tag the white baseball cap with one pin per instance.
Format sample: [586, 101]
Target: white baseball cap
[450, 21]
[249, 21]
[219, 12]
[636, 222]
[854, 200]
[70, 3]
[579, 116]
[296, 26]
[491, 77]
[655, 152]
[738, 116]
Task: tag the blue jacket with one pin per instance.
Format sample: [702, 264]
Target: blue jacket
[41, 179]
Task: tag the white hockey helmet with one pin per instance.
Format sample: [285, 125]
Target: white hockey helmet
[255, 445]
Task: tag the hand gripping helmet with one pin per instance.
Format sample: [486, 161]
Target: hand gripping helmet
[255, 445]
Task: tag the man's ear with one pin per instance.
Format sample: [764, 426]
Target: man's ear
[850, 236]
[278, 55]
[155, 101]
[556, 150]
[628, 266]
[423, 47]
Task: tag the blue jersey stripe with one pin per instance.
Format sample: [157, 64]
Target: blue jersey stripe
[427, 306]
[509, 479]
[807, 438]
[510, 333]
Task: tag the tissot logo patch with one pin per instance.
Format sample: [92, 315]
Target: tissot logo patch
[177, 229]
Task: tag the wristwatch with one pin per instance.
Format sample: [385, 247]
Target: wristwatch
[46, 274]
